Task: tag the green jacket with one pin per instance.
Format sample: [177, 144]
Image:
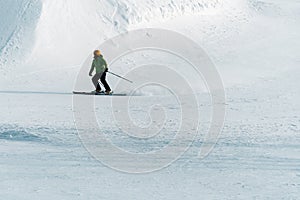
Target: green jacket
[100, 64]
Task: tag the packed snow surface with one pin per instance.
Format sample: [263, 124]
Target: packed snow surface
[255, 46]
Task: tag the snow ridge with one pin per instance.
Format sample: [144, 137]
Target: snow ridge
[131, 12]
[18, 20]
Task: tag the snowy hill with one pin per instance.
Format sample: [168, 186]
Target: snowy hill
[253, 43]
[44, 43]
[18, 21]
[56, 36]
[56, 27]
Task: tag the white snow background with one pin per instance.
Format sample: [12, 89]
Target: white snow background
[254, 44]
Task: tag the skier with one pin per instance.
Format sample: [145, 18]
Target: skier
[101, 68]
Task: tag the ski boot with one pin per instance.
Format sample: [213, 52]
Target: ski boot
[108, 92]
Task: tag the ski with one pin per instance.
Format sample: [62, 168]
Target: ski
[97, 93]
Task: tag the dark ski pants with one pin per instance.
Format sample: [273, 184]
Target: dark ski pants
[102, 77]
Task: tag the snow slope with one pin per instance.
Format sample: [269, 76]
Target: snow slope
[64, 32]
[253, 43]
[73, 27]
[53, 38]
[18, 19]
[257, 156]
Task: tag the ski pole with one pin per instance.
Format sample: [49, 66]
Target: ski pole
[120, 77]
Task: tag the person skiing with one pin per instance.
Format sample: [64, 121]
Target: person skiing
[101, 68]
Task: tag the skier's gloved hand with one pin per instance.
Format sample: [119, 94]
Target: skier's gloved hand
[90, 74]
[106, 70]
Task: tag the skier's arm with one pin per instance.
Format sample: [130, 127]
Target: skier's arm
[105, 64]
[92, 69]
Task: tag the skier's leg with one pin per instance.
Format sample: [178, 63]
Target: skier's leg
[95, 80]
[103, 81]
[98, 88]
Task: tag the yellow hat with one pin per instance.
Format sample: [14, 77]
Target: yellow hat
[97, 53]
